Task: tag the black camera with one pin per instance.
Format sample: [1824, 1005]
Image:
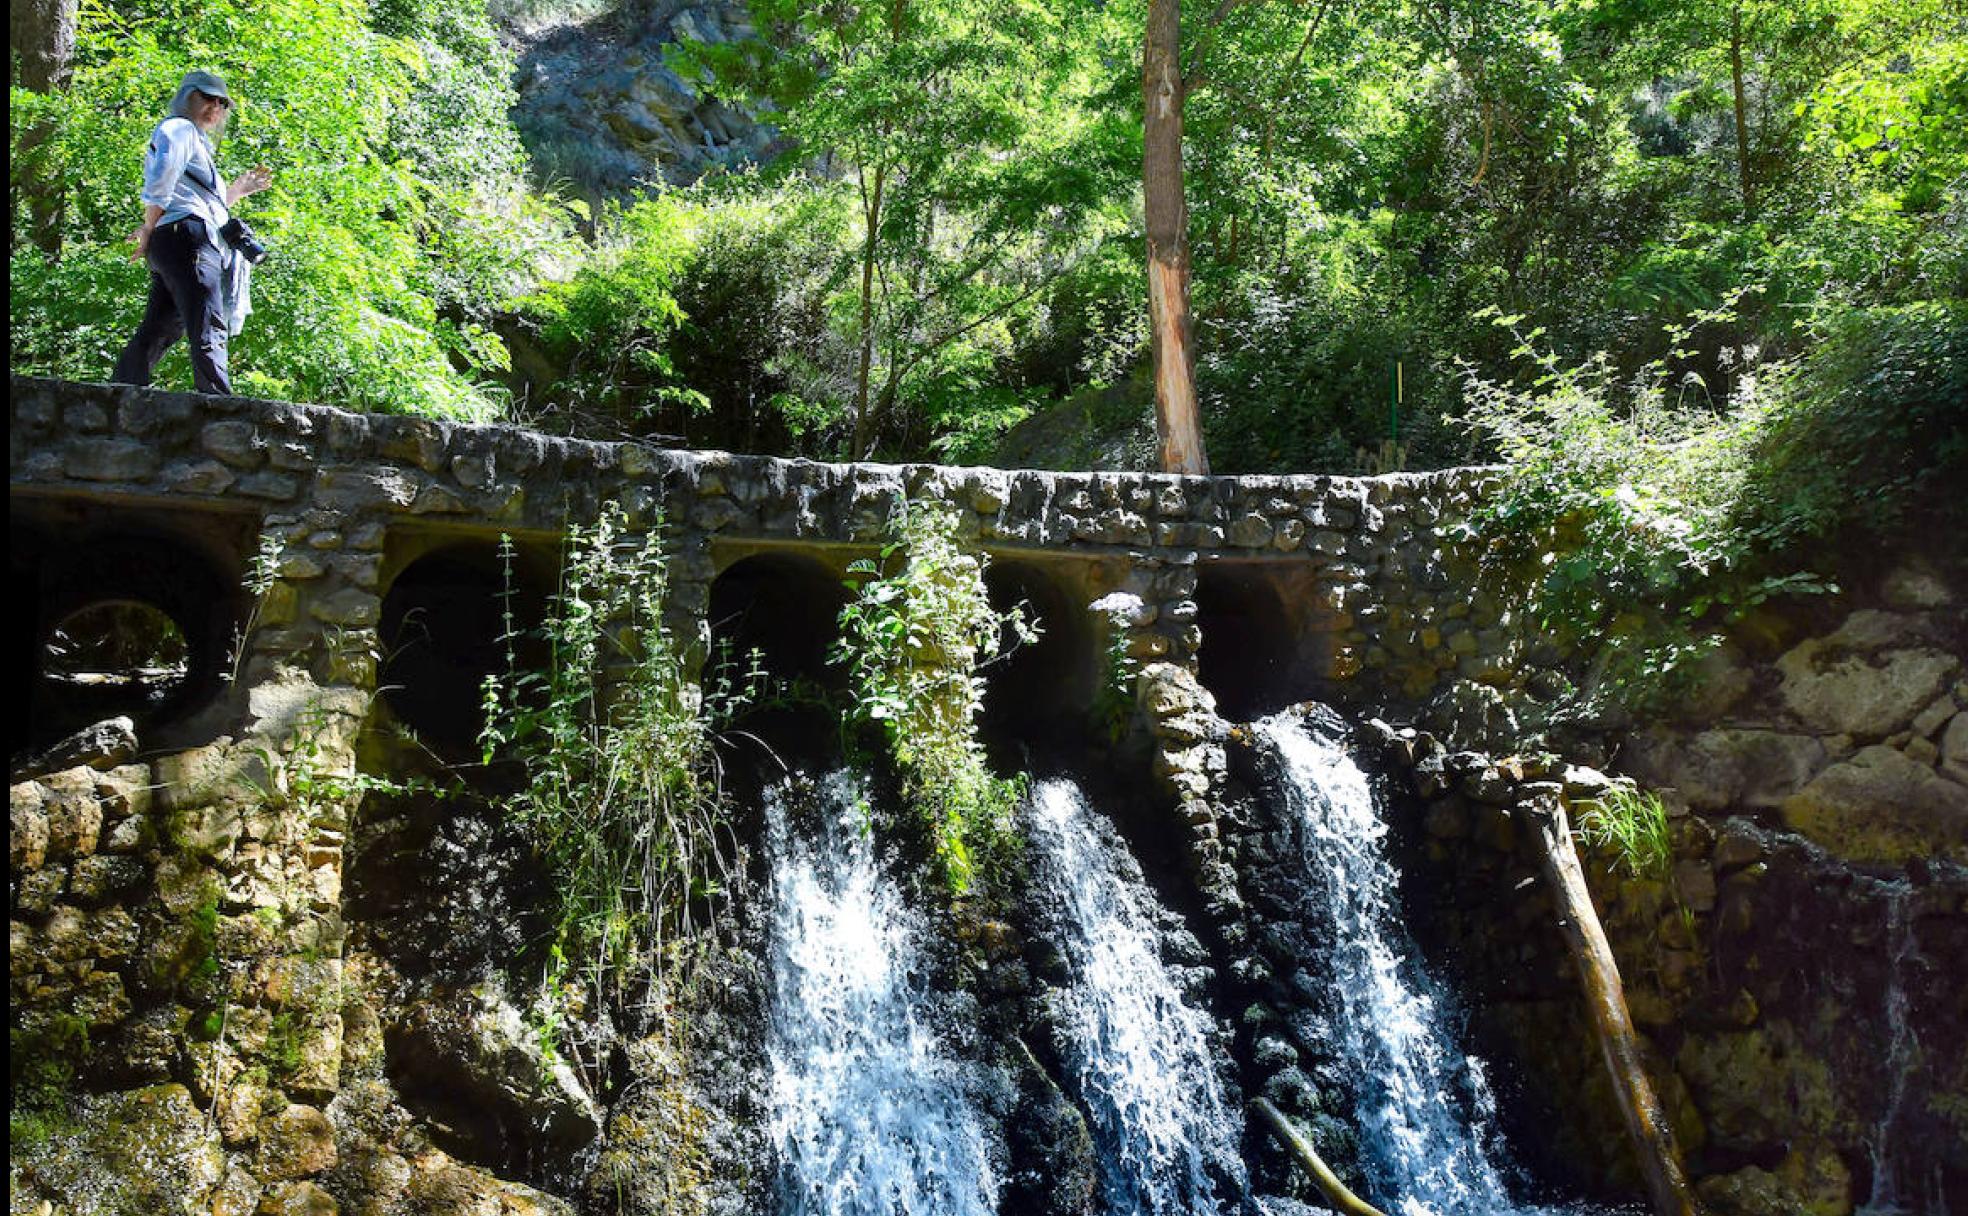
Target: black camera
[244, 241]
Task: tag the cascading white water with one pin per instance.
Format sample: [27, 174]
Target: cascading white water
[1137, 1055]
[1424, 1113]
[869, 1112]
[1890, 1192]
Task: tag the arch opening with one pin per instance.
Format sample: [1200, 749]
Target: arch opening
[778, 614]
[1041, 690]
[1249, 658]
[451, 619]
[129, 619]
[785, 610]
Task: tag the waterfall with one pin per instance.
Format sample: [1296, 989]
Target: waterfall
[870, 1114]
[1137, 1055]
[1425, 1118]
[1888, 1196]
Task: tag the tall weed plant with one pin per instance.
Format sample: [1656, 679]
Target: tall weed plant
[619, 797]
[912, 640]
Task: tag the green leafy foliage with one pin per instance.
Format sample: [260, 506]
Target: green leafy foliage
[912, 640]
[619, 797]
[368, 301]
[954, 121]
[609, 325]
[1660, 516]
[943, 256]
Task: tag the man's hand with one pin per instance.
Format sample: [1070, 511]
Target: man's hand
[141, 239]
[250, 182]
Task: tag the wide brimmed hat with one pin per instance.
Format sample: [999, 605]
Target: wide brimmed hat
[209, 84]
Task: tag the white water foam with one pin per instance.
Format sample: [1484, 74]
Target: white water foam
[1137, 1055]
[870, 1115]
[1424, 1111]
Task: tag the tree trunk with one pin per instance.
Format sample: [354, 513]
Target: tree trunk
[1742, 108]
[1646, 1121]
[1342, 1199]
[871, 216]
[41, 36]
[1167, 214]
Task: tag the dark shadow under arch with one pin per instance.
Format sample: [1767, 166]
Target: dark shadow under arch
[444, 631]
[1039, 692]
[109, 573]
[1250, 652]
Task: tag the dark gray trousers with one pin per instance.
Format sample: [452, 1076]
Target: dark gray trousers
[187, 297]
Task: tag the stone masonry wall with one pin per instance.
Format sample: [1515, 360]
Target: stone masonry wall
[1371, 573]
[176, 919]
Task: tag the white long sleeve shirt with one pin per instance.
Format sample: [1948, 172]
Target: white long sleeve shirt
[177, 169]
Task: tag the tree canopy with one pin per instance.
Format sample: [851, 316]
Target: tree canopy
[943, 256]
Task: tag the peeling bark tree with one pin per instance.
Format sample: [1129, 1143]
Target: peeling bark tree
[1167, 210]
[41, 37]
[1646, 1121]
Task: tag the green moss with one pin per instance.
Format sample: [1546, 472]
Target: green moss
[286, 1040]
[42, 1060]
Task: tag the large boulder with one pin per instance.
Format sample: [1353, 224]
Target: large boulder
[472, 1060]
[145, 1150]
[1881, 806]
[1732, 767]
[1954, 748]
[1867, 680]
[1807, 1182]
[1473, 715]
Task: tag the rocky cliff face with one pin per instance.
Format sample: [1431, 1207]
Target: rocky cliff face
[1790, 963]
[599, 107]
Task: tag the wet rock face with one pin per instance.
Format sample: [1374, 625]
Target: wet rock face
[1785, 963]
[147, 1150]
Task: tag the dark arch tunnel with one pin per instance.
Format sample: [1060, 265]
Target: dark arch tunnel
[1250, 658]
[444, 630]
[783, 607]
[131, 613]
[1039, 693]
[779, 614]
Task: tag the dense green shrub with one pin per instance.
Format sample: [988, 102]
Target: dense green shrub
[1869, 431]
[911, 640]
[346, 311]
[1657, 516]
[607, 328]
[756, 337]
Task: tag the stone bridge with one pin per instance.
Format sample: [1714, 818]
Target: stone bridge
[328, 574]
[378, 541]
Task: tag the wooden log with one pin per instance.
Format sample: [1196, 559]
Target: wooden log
[1646, 1121]
[1336, 1192]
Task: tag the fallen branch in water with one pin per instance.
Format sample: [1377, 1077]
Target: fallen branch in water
[1335, 1190]
[1646, 1121]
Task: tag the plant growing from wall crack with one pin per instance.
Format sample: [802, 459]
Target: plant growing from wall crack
[619, 798]
[912, 640]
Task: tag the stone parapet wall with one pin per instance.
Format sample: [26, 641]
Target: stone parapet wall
[1363, 571]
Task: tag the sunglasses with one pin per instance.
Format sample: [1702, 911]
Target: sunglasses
[224, 103]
